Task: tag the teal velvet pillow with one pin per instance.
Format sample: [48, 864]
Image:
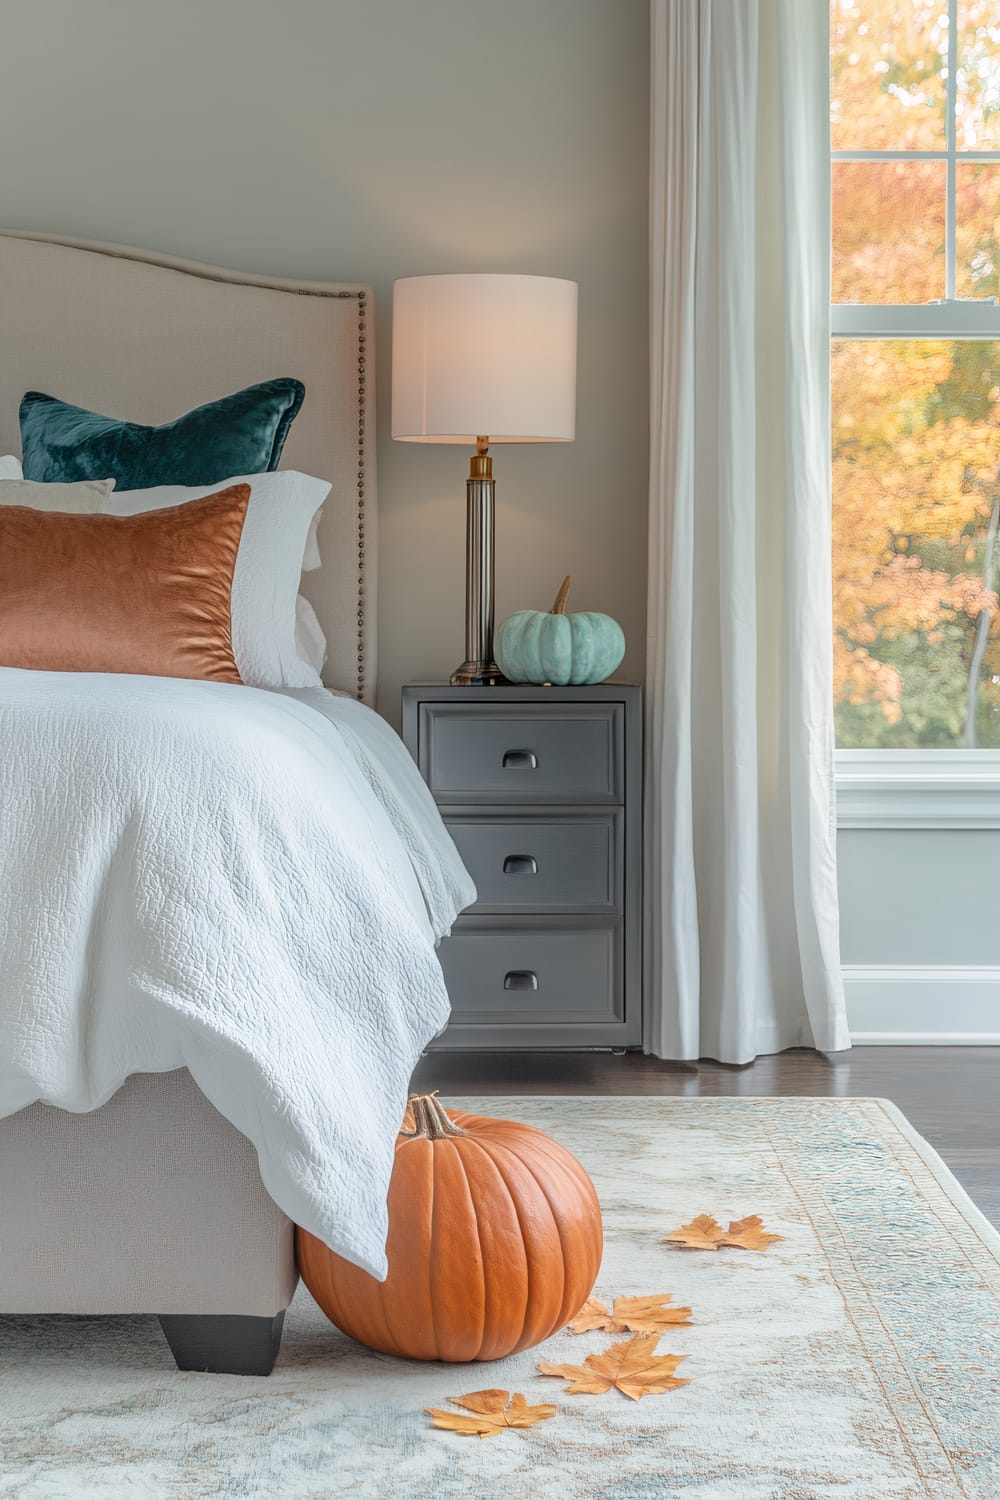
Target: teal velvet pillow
[239, 434]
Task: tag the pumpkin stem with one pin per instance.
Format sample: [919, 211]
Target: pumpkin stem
[559, 608]
[430, 1119]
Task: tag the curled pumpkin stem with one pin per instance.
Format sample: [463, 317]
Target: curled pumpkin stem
[430, 1119]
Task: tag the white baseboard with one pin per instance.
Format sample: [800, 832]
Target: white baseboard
[923, 1005]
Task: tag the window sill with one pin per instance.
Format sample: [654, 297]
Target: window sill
[918, 789]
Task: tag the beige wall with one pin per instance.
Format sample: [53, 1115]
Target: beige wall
[371, 139]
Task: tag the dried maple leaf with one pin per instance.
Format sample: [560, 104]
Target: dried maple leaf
[701, 1234]
[629, 1366]
[593, 1315]
[631, 1315]
[704, 1233]
[749, 1234]
[492, 1413]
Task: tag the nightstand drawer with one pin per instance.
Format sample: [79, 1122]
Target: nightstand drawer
[542, 864]
[523, 753]
[533, 973]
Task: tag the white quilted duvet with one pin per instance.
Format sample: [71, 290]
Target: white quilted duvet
[244, 883]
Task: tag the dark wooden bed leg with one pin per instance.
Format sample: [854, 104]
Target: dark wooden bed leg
[223, 1344]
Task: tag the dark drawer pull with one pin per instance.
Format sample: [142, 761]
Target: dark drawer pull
[520, 864]
[520, 979]
[519, 760]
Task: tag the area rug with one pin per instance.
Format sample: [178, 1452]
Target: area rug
[858, 1357]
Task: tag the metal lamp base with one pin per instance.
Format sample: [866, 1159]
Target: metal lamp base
[479, 669]
[477, 674]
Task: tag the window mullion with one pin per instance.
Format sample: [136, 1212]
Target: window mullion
[900, 155]
[951, 102]
[903, 155]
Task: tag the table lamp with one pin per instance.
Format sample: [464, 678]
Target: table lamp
[483, 359]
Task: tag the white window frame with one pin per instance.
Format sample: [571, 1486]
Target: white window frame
[922, 788]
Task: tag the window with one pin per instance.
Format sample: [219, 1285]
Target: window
[915, 128]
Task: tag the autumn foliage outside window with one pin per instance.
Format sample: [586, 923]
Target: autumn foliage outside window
[915, 127]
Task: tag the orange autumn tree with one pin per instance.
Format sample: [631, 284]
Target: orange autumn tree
[916, 425]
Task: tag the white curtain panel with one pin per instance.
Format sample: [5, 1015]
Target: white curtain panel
[742, 940]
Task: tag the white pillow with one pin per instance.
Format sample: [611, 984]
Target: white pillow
[10, 467]
[266, 612]
[310, 642]
[312, 560]
[309, 637]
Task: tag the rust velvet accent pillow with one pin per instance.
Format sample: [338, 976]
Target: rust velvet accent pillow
[148, 594]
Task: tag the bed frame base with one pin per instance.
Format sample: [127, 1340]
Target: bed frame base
[223, 1344]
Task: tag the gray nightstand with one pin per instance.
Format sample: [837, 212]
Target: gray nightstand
[541, 789]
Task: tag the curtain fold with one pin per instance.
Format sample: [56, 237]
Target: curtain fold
[742, 945]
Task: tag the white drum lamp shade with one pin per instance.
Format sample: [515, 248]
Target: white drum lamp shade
[484, 355]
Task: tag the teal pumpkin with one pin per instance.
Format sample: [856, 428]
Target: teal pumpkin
[533, 646]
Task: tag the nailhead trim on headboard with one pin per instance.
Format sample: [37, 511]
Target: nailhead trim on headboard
[362, 312]
[362, 464]
[362, 453]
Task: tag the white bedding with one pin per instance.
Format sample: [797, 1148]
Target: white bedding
[248, 884]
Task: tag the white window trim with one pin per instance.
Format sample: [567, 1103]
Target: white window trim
[922, 788]
[918, 788]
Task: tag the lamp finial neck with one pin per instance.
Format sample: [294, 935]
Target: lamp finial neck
[480, 464]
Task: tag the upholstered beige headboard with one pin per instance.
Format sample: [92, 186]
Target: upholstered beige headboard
[146, 337]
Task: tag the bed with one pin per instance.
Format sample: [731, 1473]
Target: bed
[170, 1189]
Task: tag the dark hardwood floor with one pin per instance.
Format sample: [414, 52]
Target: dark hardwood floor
[950, 1094]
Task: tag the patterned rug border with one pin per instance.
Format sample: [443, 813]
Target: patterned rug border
[936, 1164]
[945, 1177]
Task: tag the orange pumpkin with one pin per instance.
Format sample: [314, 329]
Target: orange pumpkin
[495, 1242]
